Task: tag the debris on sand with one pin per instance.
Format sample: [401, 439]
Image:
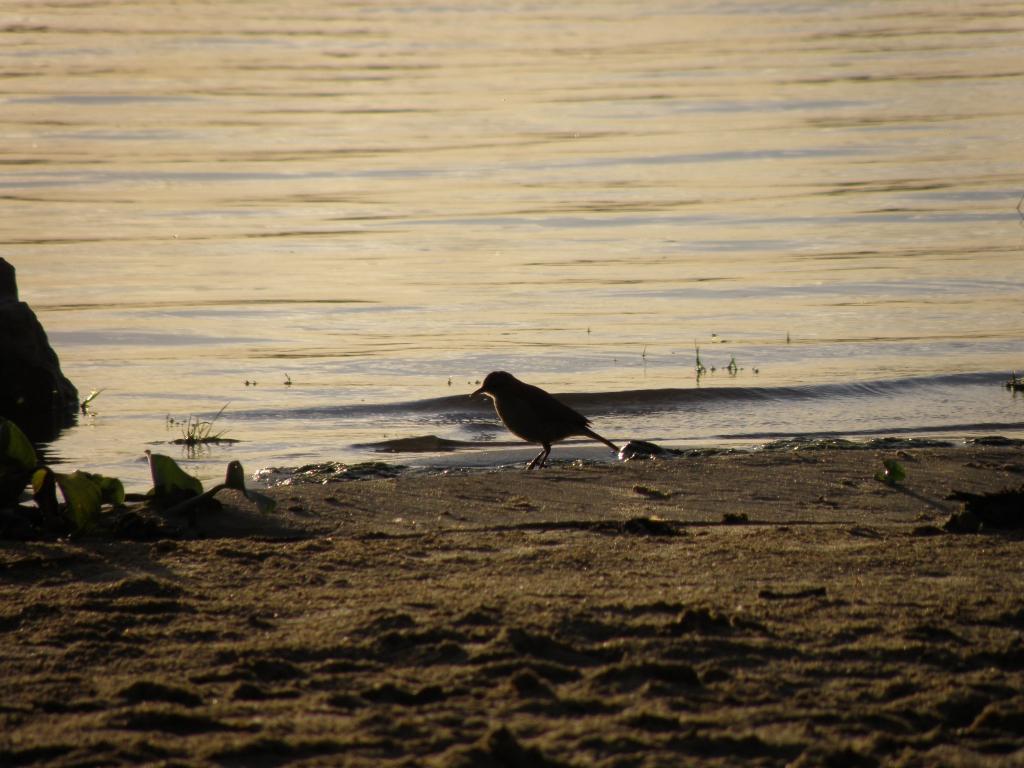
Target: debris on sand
[651, 493]
[642, 449]
[1001, 510]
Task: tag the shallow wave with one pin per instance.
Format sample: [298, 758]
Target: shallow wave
[634, 401]
[992, 428]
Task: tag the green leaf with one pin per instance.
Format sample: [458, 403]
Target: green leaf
[83, 494]
[17, 461]
[15, 446]
[111, 489]
[39, 479]
[169, 478]
[44, 491]
[892, 472]
[92, 396]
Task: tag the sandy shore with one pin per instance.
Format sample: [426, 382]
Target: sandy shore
[758, 609]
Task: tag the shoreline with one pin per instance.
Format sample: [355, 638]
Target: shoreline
[288, 427]
[427, 454]
[770, 608]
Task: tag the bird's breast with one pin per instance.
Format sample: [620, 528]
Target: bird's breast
[519, 417]
[529, 423]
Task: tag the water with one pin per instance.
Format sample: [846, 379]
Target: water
[373, 200]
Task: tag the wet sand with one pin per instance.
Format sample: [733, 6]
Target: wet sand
[759, 609]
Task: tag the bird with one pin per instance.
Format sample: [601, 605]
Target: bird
[534, 415]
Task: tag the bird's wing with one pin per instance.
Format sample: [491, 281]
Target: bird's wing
[551, 409]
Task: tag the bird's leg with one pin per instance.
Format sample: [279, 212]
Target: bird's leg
[540, 458]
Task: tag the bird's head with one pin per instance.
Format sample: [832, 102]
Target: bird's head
[494, 383]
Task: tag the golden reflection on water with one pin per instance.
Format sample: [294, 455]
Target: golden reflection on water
[375, 197]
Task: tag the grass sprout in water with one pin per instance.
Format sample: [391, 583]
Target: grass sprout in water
[84, 405]
[196, 431]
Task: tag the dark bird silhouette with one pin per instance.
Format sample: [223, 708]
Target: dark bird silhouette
[532, 414]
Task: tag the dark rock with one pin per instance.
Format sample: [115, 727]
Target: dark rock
[641, 449]
[34, 393]
[1001, 510]
[8, 282]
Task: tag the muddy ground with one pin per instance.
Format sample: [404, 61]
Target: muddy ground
[777, 608]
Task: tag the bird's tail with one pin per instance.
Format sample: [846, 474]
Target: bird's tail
[591, 433]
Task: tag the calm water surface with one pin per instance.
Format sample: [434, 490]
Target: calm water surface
[382, 202]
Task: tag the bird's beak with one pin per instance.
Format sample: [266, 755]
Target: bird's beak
[477, 392]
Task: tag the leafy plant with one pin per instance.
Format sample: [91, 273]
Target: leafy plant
[171, 483]
[892, 473]
[84, 495]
